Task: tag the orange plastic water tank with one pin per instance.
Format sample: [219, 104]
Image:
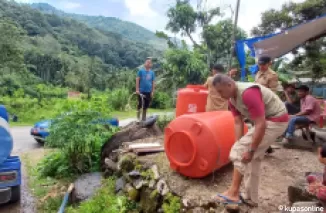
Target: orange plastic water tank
[198, 144]
[191, 99]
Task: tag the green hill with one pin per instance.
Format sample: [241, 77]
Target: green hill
[63, 51]
[128, 30]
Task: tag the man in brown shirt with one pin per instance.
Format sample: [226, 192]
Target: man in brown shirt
[266, 76]
[214, 100]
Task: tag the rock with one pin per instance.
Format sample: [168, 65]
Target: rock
[152, 184]
[133, 194]
[86, 186]
[129, 133]
[310, 207]
[120, 184]
[155, 172]
[149, 200]
[134, 174]
[162, 187]
[110, 164]
[185, 203]
[138, 183]
[297, 192]
[197, 210]
[126, 163]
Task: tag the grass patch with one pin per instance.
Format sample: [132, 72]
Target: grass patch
[48, 192]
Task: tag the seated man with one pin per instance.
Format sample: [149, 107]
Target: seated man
[310, 112]
[292, 103]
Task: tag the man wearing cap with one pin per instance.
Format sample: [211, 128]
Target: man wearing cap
[214, 100]
[269, 114]
[292, 102]
[266, 76]
[310, 112]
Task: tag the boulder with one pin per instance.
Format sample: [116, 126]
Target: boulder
[297, 192]
[86, 186]
[120, 184]
[149, 200]
[133, 194]
[133, 131]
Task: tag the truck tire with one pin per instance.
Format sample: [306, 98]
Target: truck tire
[39, 141]
[15, 194]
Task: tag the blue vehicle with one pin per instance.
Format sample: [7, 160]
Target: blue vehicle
[10, 166]
[41, 129]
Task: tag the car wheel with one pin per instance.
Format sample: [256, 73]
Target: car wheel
[15, 194]
[39, 141]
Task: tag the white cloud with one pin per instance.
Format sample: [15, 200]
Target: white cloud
[140, 8]
[70, 5]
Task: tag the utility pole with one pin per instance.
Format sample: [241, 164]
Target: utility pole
[234, 33]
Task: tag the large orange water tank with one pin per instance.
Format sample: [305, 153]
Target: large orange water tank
[198, 144]
[191, 99]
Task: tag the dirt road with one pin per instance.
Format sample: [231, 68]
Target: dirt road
[22, 142]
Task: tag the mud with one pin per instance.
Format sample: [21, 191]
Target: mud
[279, 170]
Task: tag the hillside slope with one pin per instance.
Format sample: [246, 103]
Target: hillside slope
[66, 52]
[128, 30]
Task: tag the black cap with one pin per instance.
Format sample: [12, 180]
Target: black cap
[264, 60]
[218, 67]
[303, 88]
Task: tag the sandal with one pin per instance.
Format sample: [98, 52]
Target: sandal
[227, 200]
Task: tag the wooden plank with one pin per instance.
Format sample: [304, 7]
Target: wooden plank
[144, 145]
[149, 150]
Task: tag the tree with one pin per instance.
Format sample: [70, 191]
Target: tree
[181, 67]
[313, 56]
[185, 20]
[182, 19]
[11, 57]
[217, 38]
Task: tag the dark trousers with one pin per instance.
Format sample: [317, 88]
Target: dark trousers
[144, 100]
[291, 108]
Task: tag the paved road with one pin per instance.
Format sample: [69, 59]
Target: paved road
[22, 142]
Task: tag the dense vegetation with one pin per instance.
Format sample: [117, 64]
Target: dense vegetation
[65, 52]
[128, 30]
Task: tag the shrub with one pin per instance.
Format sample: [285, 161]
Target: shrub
[164, 120]
[79, 135]
[54, 165]
[118, 98]
[162, 100]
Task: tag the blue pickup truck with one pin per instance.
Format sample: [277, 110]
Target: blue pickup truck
[10, 166]
[41, 129]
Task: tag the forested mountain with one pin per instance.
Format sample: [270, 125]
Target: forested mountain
[127, 29]
[64, 51]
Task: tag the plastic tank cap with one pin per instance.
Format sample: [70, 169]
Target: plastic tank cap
[181, 149]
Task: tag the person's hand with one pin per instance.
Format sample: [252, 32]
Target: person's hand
[247, 157]
[137, 92]
[152, 94]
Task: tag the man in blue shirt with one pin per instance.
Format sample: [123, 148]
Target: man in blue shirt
[145, 88]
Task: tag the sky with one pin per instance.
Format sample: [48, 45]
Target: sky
[151, 14]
